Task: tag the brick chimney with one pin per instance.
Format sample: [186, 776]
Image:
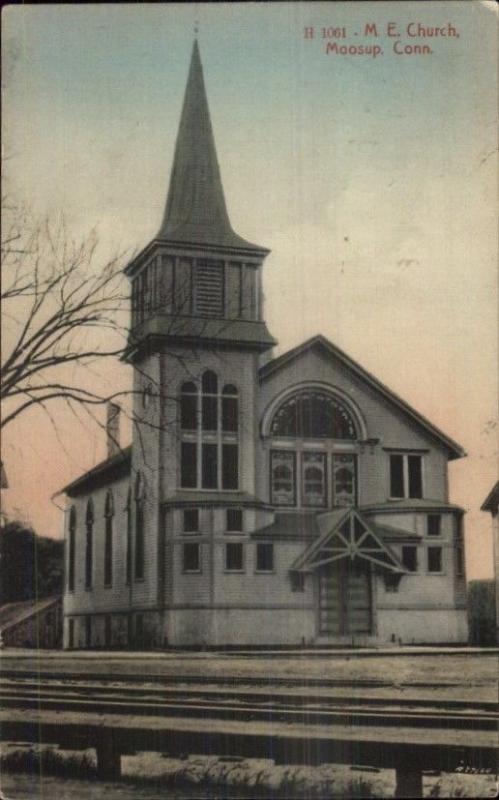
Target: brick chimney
[113, 429]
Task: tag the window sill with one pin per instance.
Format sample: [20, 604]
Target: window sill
[234, 572]
[108, 586]
[139, 580]
[265, 572]
[191, 572]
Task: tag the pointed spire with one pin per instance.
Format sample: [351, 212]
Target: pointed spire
[195, 208]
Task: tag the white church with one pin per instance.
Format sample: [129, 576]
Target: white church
[287, 501]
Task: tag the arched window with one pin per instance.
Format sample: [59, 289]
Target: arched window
[312, 414]
[209, 446]
[319, 475]
[139, 527]
[71, 548]
[108, 539]
[128, 509]
[89, 523]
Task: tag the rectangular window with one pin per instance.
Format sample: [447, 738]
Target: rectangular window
[297, 582]
[108, 552]
[71, 565]
[139, 540]
[209, 287]
[188, 465]
[434, 559]
[282, 478]
[209, 466]
[234, 557]
[128, 565]
[313, 480]
[249, 283]
[71, 633]
[191, 557]
[460, 571]
[344, 480]
[230, 476]
[265, 557]
[415, 476]
[406, 475]
[434, 527]
[107, 630]
[410, 557]
[396, 476]
[234, 519]
[191, 520]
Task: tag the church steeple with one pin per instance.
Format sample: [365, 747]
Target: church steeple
[195, 209]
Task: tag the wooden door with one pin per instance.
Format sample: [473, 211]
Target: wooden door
[345, 598]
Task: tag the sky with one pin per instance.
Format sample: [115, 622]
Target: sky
[371, 179]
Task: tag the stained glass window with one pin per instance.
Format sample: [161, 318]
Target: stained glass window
[313, 414]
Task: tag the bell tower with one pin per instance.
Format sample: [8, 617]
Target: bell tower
[196, 338]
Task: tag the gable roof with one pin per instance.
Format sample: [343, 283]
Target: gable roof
[491, 502]
[320, 342]
[346, 534]
[109, 470]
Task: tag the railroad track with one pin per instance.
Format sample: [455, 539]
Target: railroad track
[233, 703]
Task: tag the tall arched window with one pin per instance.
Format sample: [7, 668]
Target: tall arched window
[108, 539]
[139, 527]
[209, 423]
[89, 544]
[314, 474]
[71, 549]
[128, 509]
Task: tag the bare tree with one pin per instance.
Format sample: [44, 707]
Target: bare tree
[60, 307]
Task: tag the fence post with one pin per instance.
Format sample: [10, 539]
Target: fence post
[409, 780]
[108, 756]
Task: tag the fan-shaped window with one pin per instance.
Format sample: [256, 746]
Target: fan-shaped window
[313, 414]
[89, 544]
[72, 549]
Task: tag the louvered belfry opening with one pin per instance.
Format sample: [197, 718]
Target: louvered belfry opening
[209, 284]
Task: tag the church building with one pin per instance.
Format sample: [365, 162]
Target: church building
[264, 501]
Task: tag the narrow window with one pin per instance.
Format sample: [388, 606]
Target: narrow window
[128, 565]
[264, 557]
[229, 409]
[191, 557]
[234, 557]
[71, 634]
[314, 479]
[72, 549]
[188, 406]
[209, 466]
[434, 524]
[210, 401]
[230, 476]
[415, 476]
[282, 478]
[410, 557]
[344, 480]
[89, 521]
[234, 519]
[139, 630]
[188, 465]
[434, 559]
[191, 520]
[209, 287]
[396, 476]
[139, 528]
[108, 540]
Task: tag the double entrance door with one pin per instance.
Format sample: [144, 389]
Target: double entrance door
[345, 606]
